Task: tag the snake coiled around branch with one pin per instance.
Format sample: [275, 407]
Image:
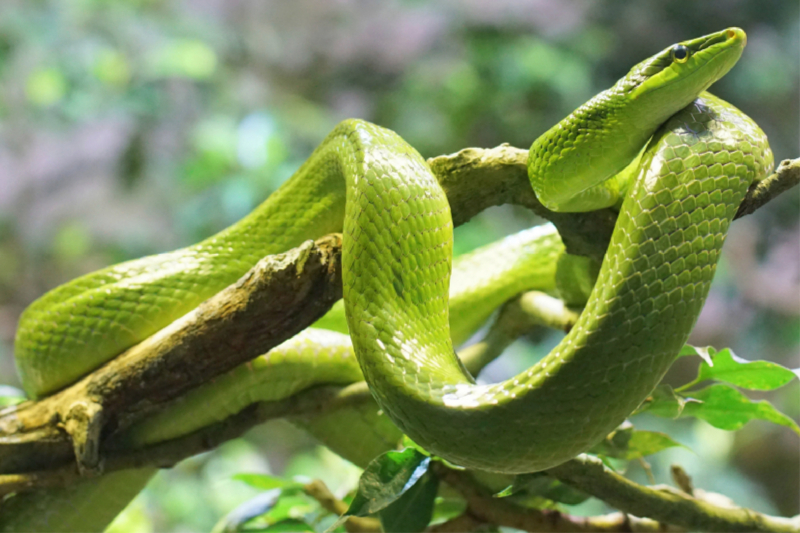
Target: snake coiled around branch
[676, 162]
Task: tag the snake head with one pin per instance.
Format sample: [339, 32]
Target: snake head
[671, 79]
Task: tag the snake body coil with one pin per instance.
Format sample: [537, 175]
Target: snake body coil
[680, 195]
[649, 293]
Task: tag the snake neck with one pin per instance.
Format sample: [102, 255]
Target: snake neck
[569, 165]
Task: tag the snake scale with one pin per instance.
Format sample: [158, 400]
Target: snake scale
[676, 162]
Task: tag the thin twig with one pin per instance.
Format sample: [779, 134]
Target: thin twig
[354, 524]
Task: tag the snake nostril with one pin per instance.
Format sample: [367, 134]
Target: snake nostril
[736, 34]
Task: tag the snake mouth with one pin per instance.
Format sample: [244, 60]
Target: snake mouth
[723, 37]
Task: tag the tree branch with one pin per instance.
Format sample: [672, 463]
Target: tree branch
[517, 317]
[118, 456]
[785, 177]
[354, 524]
[664, 504]
[485, 508]
[477, 178]
[279, 297]
[668, 506]
[286, 293]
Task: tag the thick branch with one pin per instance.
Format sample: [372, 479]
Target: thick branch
[485, 508]
[118, 456]
[664, 503]
[588, 475]
[517, 317]
[279, 297]
[477, 178]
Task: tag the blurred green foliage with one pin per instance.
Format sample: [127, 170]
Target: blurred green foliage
[133, 127]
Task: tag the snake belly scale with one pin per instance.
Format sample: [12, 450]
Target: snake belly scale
[676, 205]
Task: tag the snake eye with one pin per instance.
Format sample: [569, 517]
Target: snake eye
[680, 54]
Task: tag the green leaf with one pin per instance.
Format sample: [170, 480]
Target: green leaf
[699, 351]
[282, 501]
[665, 402]
[687, 349]
[753, 375]
[266, 482]
[726, 408]
[629, 443]
[413, 510]
[408, 443]
[645, 443]
[387, 478]
[291, 505]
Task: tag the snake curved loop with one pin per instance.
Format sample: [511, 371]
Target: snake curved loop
[481, 281]
[676, 160]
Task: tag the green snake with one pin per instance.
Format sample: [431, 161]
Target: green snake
[674, 160]
[482, 280]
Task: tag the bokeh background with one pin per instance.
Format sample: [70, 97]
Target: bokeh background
[131, 127]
